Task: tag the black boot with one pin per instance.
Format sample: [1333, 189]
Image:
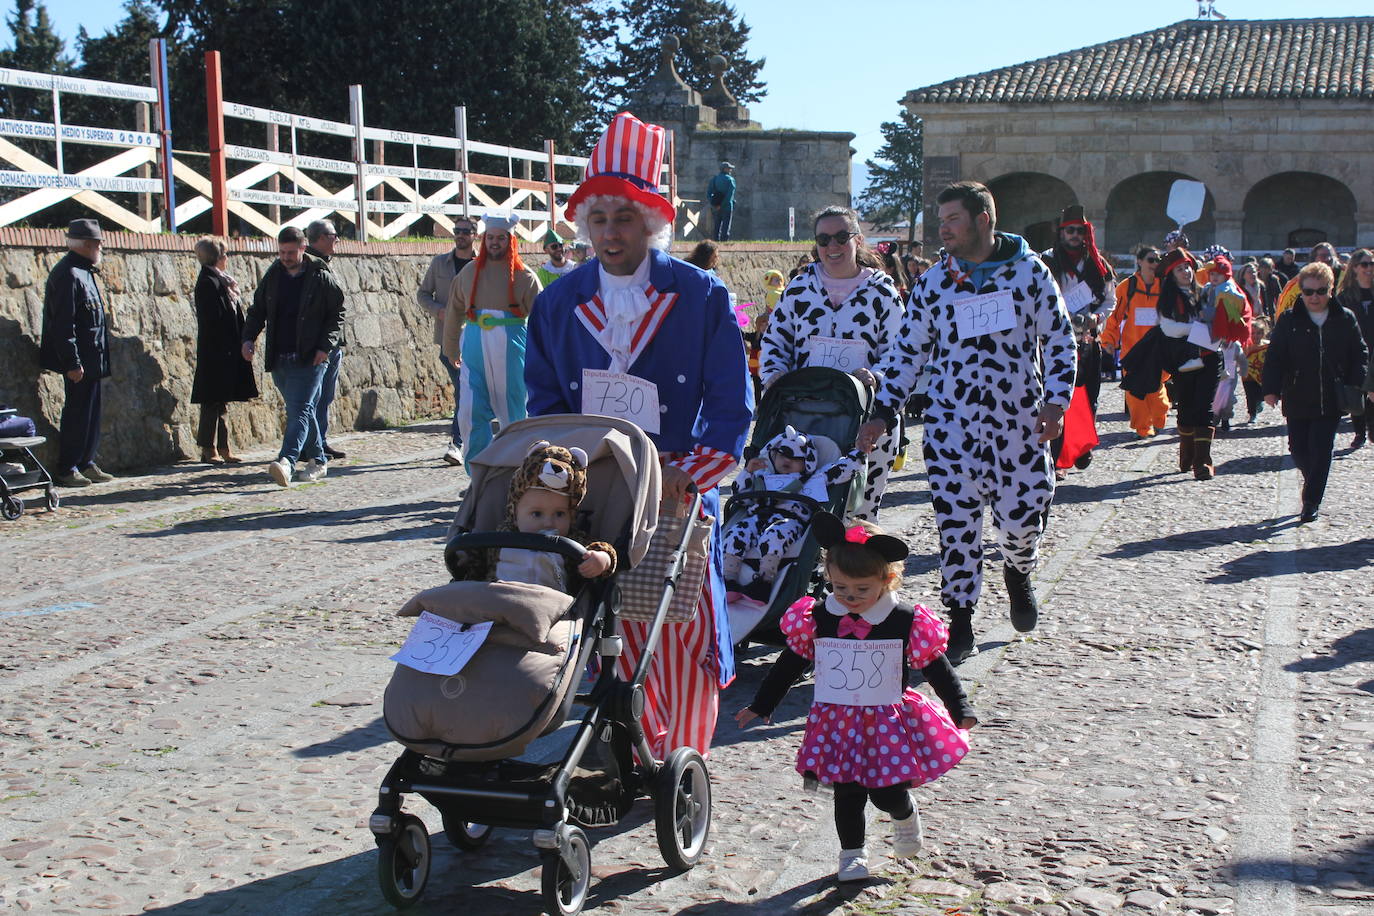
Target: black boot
[1024, 611]
[961, 643]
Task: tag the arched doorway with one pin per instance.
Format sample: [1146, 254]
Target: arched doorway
[1136, 214]
[1302, 206]
[1028, 203]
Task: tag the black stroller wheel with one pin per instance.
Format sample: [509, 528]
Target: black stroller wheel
[565, 889]
[682, 808]
[12, 508]
[51, 498]
[465, 834]
[403, 862]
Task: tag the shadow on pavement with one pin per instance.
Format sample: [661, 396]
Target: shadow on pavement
[1208, 537]
[1341, 869]
[1071, 491]
[837, 899]
[410, 521]
[1348, 650]
[1322, 558]
[1250, 464]
[364, 736]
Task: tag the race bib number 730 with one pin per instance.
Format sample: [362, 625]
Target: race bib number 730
[625, 397]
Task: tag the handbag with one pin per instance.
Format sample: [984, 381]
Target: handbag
[1353, 400]
[641, 588]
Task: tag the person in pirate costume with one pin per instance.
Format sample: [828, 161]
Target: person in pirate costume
[484, 333]
[661, 332]
[544, 495]
[1197, 376]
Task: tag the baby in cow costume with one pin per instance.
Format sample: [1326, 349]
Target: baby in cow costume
[767, 528]
[544, 495]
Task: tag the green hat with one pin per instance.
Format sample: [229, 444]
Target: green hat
[552, 238]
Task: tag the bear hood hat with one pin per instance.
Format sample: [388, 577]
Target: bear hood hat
[549, 467]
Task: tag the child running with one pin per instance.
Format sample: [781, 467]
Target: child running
[869, 736]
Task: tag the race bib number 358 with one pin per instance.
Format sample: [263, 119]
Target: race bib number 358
[859, 672]
[625, 397]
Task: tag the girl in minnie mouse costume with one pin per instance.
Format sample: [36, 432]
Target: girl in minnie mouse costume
[868, 735]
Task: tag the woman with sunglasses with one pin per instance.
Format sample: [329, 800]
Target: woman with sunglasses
[1356, 292]
[1314, 350]
[1136, 311]
[841, 311]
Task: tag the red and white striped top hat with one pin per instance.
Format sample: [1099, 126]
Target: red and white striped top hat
[626, 163]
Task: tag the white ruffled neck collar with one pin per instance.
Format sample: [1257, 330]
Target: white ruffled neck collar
[874, 615]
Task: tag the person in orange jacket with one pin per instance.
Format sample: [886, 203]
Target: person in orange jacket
[1137, 297]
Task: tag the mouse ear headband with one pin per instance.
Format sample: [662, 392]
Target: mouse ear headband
[830, 531]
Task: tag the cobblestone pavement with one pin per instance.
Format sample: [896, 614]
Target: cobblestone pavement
[194, 660]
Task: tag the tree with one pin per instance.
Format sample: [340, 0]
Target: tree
[704, 27]
[38, 48]
[894, 187]
[121, 54]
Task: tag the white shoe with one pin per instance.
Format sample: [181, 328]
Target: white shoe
[280, 471]
[314, 470]
[853, 865]
[906, 835]
[453, 456]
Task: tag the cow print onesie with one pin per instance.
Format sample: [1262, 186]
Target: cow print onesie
[986, 393]
[871, 314]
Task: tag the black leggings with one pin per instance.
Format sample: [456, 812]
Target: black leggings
[850, 798]
[1194, 391]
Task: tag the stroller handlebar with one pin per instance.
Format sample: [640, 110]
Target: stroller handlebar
[514, 540]
[774, 496]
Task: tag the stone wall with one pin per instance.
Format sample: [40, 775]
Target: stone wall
[390, 375]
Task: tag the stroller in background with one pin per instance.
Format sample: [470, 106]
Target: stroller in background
[31, 475]
[830, 406]
[477, 780]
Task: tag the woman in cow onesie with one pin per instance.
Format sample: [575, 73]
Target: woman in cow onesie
[842, 311]
[988, 321]
[665, 331]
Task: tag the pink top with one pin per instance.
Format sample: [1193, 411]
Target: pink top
[837, 290]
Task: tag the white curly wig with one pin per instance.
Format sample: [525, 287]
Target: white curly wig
[660, 229]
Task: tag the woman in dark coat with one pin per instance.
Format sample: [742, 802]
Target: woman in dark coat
[222, 375]
[1315, 349]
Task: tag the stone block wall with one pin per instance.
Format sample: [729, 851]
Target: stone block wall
[390, 374]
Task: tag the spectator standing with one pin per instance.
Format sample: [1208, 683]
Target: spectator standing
[302, 308]
[720, 194]
[221, 374]
[558, 264]
[321, 237]
[1356, 293]
[1287, 268]
[1315, 349]
[1271, 284]
[1136, 312]
[433, 297]
[76, 343]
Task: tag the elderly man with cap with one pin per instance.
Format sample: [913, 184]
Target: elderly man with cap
[76, 343]
[484, 333]
[558, 264]
[720, 193]
[637, 318]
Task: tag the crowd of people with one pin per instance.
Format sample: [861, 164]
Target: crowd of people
[1003, 348]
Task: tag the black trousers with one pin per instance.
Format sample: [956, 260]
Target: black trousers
[1363, 424]
[850, 799]
[1254, 397]
[1310, 442]
[1194, 390]
[212, 429]
[79, 434]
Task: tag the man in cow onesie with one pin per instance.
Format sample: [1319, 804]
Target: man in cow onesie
[989, 322]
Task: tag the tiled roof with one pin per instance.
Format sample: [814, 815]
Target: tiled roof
[1193, 60]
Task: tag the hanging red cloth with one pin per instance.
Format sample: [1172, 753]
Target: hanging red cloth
[1080, 429]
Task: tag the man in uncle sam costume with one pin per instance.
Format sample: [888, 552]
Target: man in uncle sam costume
[637, 334]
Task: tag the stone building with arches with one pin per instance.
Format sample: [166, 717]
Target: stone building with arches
[1276, 117]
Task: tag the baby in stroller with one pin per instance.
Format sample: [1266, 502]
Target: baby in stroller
[543, 499]
[766, 530]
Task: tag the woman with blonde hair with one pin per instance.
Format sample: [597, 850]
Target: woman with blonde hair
[222, 375]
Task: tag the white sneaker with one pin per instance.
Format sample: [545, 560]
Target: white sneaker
[453, 456]
[280, 471]
[853, 865]
[314, 470]
[906, 835]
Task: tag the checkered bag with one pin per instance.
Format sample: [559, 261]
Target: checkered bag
[641, 588]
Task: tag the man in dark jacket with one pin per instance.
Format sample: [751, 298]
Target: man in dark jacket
[76, 343]
[302, 307]
[321, 237]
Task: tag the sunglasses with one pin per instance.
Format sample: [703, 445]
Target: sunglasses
[1319, 291]
[457, 231]
[1363, 264]
[823, 238]
[1074, 230]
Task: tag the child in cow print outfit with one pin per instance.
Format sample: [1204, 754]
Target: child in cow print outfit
[768, 528]
[869, 752]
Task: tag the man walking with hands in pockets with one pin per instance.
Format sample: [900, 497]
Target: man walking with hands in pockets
[989, 322]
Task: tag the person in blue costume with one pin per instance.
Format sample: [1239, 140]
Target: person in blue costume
[665, 333]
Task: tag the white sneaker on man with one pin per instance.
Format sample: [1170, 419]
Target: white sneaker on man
[453, 456]
[314, 470]
[853, 865]
[280, 471]
[906, 835]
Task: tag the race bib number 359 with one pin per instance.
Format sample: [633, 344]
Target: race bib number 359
[625, 397]
[859, 672]
[437, 645]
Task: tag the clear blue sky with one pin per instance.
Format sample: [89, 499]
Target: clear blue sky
[835, 65]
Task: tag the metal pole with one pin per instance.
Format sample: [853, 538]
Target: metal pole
[460, 118]
[355, 113]
[157, 53]
[553, 203]
[143, 124]
[219, 176]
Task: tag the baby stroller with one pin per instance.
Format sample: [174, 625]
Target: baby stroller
[830, 406]
[464, 738]
[17, 452]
